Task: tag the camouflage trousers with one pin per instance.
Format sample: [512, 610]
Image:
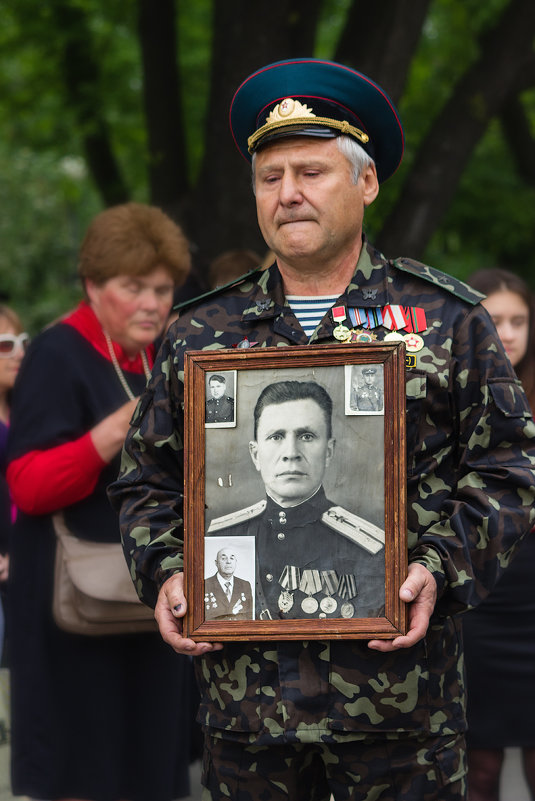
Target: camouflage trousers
[408, 769]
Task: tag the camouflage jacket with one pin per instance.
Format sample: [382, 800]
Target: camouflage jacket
[470, 455]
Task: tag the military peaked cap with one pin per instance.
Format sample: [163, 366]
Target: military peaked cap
[312, 97]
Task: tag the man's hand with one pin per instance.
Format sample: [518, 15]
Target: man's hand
[420, 591]
[169, 611]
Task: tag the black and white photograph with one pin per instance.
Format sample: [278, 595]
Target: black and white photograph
[229, 566]
[319, 542]
[220, 404]
[304, 481]
[319, 536]
[364, 389]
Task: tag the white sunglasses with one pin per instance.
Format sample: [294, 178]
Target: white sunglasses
[10, 342]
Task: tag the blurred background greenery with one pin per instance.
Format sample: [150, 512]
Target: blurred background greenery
[101, 102]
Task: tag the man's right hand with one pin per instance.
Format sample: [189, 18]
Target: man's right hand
[169, 611]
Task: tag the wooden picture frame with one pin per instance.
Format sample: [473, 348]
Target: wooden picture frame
[313, 549]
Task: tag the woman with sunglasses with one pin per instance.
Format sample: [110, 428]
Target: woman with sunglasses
[13, 342]
[99, 718]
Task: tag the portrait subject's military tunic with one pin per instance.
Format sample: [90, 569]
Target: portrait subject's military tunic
[313, 560]
[220, 410]
[367, 398]
[470, 459]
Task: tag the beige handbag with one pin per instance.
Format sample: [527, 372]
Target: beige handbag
[93, 590]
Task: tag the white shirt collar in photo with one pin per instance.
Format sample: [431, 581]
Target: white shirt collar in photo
[224, 581]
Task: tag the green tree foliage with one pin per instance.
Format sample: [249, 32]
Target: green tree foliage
[102, 102]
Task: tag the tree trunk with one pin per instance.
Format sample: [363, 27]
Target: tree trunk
[379, 39]
[443, 155]
[168, 177]
[225, 216]
[81, 78]
[517, 130]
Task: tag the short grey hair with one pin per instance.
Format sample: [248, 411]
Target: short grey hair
[355, 154]
[348, 147]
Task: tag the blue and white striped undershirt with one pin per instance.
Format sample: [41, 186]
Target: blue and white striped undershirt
[310, 310]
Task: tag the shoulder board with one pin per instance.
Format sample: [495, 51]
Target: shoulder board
[212, 293]
[241, 516]
[443, 280]
[355, 528]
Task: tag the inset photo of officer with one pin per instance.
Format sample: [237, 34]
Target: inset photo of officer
[364, 389]
[220, 399]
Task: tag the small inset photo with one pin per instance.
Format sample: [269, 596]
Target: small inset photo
[220, 406]
[229, 578]
[364, 389]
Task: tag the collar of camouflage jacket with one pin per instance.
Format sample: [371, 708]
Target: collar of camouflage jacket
[368, 287]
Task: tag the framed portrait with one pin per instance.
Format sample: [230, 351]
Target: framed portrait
[295, 509]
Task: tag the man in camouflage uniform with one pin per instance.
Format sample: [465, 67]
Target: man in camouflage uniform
[382, 719]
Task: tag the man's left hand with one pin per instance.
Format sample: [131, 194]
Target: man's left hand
[420, 591]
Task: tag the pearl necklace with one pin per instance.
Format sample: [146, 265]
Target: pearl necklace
[120, 375]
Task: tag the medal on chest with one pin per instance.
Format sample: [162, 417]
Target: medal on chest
[289, 581]
[340, 332]
[329, 580]
[310, 584]
[347, 589]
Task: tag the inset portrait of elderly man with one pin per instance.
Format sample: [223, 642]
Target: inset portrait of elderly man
[226, 596]
[220, 405]
[315, 559]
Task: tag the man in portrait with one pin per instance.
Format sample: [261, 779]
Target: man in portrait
[220, 406]
[226, 596]
[366, 393]
[315, 559]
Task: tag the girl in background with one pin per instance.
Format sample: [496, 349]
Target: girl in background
[499, 635]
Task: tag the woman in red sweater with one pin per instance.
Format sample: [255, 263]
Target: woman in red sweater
[100, 718]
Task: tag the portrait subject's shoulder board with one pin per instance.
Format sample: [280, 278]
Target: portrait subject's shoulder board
[355, 528]
[240, 516]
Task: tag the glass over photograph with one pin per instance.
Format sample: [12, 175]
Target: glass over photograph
[303, 482]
